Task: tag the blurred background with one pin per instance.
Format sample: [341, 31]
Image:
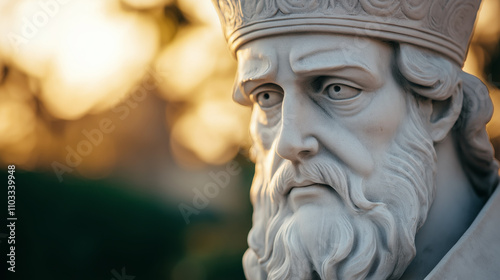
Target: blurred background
[131, 158]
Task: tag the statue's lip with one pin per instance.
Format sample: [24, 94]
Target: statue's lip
[303, 184]
[301, 195]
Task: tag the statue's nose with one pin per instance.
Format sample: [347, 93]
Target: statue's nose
[292, 146]
[295, 141]
[305, 131]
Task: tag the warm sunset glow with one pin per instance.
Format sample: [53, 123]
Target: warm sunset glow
[198, 69]
[147, 4]
[213, 131]
[17, 119]
[486, 36]
[83, 53]
[188, 62]
[98, 62]
[201, 12]
[70, 64]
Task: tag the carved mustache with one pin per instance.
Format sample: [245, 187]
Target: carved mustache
[288, 176]
[333, 175]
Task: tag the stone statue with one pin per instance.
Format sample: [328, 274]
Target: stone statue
[372, 159]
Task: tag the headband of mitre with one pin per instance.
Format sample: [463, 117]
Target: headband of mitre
[444, 26]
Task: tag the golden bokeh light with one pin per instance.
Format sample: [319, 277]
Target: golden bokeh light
[147, 4]
[200, 12]
[487, 27]
[17, 118]
[69, 64]
[485, 39]
[214, 130]
[187, 62]
[84, 53]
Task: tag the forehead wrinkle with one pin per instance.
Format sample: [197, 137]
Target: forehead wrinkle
[329, 58]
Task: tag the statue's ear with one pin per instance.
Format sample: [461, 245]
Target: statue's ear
[445, 114]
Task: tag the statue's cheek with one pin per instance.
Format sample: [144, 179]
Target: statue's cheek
[264, 127]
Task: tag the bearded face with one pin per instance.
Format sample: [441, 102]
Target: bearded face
[344, 226]
[344, 161]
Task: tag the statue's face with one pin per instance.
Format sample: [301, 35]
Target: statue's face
[321, 96]
[335, 170]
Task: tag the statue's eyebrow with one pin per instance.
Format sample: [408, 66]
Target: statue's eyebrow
[254, 69]
[334, 61]
[243, 88]
[250, 83]
[251, 78]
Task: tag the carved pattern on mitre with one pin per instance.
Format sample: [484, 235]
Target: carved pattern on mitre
[444, 26]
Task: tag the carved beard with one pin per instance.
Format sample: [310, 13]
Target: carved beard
[369, 228]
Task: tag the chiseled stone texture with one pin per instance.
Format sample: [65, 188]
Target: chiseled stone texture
[372, 159]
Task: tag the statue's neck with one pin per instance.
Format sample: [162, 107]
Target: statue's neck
[454, 208]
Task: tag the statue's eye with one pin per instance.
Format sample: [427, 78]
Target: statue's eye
[341, 91]
[267, 99]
